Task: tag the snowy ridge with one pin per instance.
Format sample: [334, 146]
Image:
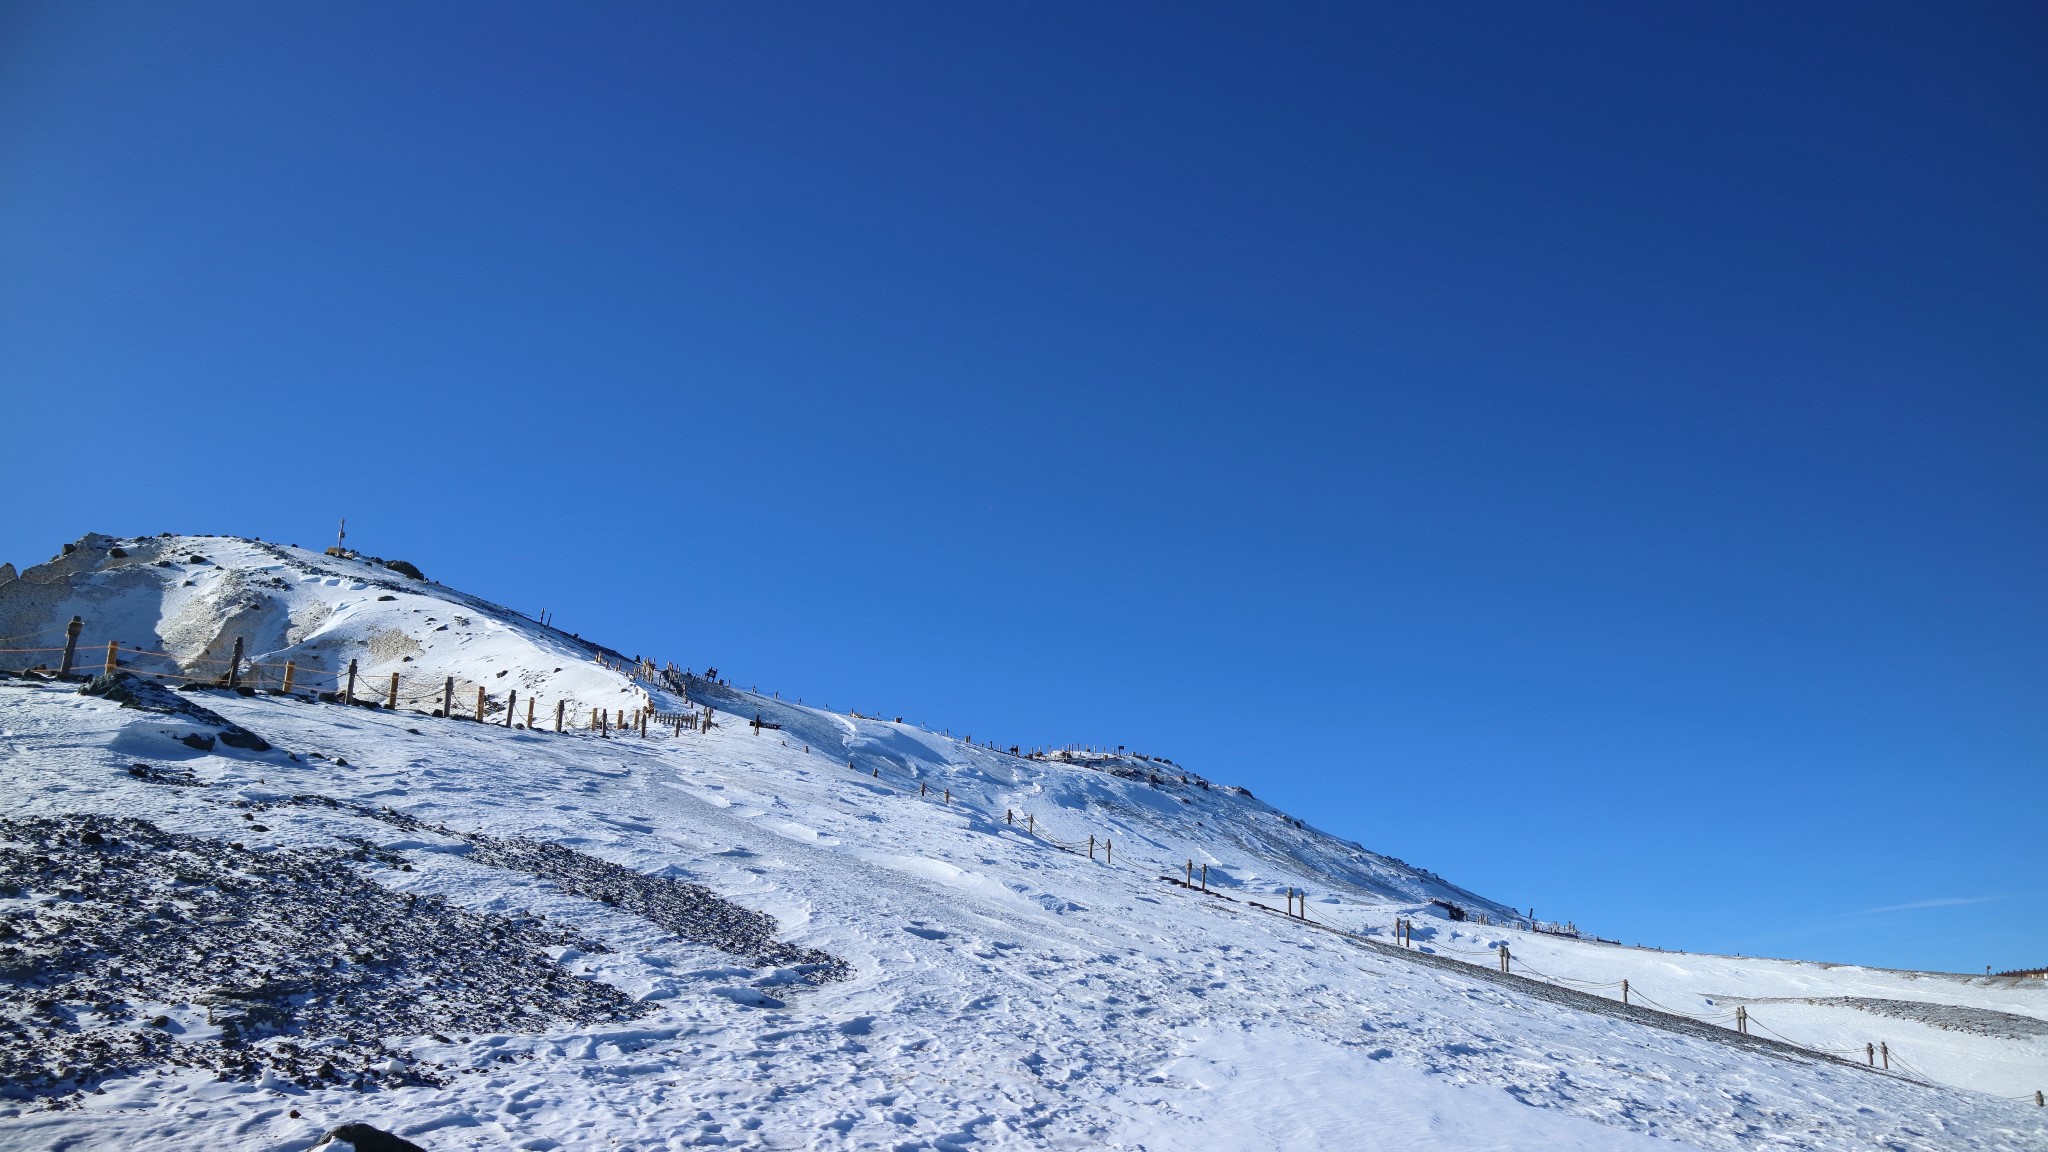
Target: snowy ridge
[1152, 811]
[193, 597]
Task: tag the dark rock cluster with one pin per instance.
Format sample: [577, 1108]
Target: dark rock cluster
[132, 691]
[691, 911]
[302, 962]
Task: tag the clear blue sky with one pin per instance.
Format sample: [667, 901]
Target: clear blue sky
[1597, 452]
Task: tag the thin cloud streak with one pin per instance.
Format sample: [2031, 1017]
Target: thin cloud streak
[1917, 905]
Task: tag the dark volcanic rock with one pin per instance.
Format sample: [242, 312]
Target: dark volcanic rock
[132, 691]
[364, 1138]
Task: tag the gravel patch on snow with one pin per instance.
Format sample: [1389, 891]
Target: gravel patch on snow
[691, 911]
[123, 946]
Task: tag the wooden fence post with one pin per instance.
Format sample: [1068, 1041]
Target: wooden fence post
[529, 713]
[1742, 1019]
[1884, 1055]
[1503, 958]
[949, 795]
[235, 665]
[1108, 851]
[291, 669]
[1624, 986]
[1031, 824]
[479, 703]
[512, 703]
[643, 723]
[71, 632]
[350, 695]
[1870, 1055]
[1205, 877]
[561, 706]
[391, 699]
[113, 652]
[1191, 872]
[448, 699]
[593, 719]
[1091, 846]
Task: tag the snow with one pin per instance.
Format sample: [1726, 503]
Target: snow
[1001, 992]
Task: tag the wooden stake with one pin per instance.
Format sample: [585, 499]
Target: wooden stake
[235, 665]
[1624, 988]
[1884, 1055]
[1870, 1055]
[1191, 872]
[391, 698]
[512, 703]
[350, 694]
[479, 703]
[1742, 1019]
[113, 650]
[1108, 852]
[593, 719]
[561, 706]
[949, 795]
[71, 632]
[1205, 877]
[291, 669]
[529, 713]
[1091, 846]
[448, 698]
[1031, 824]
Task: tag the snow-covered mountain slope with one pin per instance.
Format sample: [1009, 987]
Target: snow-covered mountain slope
[745, 941]
[193, 597]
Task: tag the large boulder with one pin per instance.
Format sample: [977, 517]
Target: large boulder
[132, 691]
[364, 1138]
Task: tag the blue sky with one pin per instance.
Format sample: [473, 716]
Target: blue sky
[1596, 452]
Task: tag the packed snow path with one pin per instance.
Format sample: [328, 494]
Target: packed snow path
[1000, 993]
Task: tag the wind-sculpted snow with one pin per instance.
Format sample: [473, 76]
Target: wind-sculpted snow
[124, 947]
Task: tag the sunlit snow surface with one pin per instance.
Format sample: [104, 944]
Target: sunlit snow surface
[1002, 993]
